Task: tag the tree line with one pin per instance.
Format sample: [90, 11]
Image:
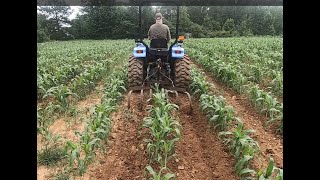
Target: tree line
[120, 22]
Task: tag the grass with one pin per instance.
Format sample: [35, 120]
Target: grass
[50, 156]
[62, 176]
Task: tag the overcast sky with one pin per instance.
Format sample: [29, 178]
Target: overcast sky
[75, 11]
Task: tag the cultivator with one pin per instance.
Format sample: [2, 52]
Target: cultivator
[167, 91]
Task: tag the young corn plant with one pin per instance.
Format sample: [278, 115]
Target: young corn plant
[73, 151]
[257, 74]
[276, 117]
[159, 175]
[277, 85]
[199, 84]
[61, 93]
[115, 91]
[242, 167]
[279, 175]
[217, 111]
[45, 115]
[267, 105]
[86, 146]
[268, 173]
[100, 121]
[256, 93]
[240, 83]
[42, 121]
[240, 142]
[243, 147]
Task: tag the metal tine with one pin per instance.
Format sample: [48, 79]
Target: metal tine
[166, 92]
[150, 93]
[150, 98]
[190, 101]
[141, 94]
[177, 95]
[129, 95]
[175, 92]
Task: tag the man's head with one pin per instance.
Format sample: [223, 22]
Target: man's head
[158, 18]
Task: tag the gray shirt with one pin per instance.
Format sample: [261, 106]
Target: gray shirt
[159, 31]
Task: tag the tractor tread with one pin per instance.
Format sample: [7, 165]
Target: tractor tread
[182, 72]
[135, 72]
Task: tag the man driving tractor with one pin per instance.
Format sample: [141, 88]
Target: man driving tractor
[160, 32]
[157, 63]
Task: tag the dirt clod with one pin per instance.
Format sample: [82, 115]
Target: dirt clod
[215, 175]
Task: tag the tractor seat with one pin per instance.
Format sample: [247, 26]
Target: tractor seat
[158, 47]
[158, 51]
[158, 43]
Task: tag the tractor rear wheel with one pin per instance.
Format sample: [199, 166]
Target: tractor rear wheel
[182, 72]
[135, 72]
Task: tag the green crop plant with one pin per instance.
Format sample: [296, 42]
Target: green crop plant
[100, 122]
[261, 175]
[279, 175]
[277, 84]
[217, 111]
[242, 167]
[86, 145]
[240, 142]
[73, 151]
[159, 176]
[268, 173]
[257, 73]
[243, 147]
[61, 93]
[199, 85]
[267, 105]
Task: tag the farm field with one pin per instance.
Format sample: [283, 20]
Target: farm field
[86, 131]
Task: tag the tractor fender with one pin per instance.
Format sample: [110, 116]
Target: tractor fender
[177, 52]
[140, 51]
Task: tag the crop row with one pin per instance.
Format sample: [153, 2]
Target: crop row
[264, 101]
[259, 60]
[164, 133]
[69, 62]
[238, 139]
[98, 125]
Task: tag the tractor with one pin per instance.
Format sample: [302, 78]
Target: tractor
[159, 64]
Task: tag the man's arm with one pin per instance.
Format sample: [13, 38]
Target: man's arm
[149, 33]
[168, 35]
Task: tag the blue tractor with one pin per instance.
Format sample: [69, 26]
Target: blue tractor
[169, 67]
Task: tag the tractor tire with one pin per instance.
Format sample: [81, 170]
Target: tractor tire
[182, 72]
[135, 72]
